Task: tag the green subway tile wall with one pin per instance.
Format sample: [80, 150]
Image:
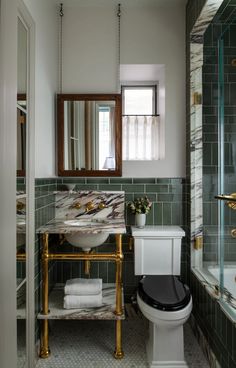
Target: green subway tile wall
[168, 197]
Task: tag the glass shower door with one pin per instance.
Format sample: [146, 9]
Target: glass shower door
[227, 168]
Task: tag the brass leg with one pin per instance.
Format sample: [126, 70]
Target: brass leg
[118, 354]
[44, 349]
[87, 266]
[119, 259]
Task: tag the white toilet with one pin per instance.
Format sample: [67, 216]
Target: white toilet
[162, 298]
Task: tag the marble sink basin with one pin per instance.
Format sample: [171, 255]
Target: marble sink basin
[84, 238]
[83, 223]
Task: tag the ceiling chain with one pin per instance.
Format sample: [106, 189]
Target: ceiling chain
[118, 53]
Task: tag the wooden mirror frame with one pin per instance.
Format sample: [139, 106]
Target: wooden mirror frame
[60, 134]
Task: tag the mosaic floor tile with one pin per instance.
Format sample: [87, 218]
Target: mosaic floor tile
[90, 344]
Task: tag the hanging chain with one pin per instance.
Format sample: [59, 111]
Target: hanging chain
[61, 14]
[118, 53]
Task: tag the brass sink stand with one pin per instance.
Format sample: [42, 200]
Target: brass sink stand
[117, 257]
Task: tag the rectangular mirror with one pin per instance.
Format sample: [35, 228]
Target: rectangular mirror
[21, 96]
[89, 134]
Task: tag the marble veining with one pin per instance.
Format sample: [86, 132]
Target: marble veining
[208, 12]
[106, 311]
[58, 226]
[73, 205]
[98, 212]
[196, 48]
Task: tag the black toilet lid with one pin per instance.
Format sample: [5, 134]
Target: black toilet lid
[164, 292]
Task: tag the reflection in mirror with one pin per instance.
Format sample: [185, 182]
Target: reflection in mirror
[21, 96]
[21, 194]
[89, 135]
[21, 135]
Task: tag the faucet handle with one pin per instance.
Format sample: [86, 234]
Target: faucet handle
[101, 205]
[76, 205]
[89, 206]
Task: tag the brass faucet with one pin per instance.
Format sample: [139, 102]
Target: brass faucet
[76, 205]
[89, 206]
[101, 205]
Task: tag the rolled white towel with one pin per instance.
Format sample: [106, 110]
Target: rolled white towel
[81, 286]
[82, 301]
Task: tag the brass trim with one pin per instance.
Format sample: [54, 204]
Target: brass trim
[118, 353]
[233, 233]
[198, 243]
[87, 265]
[197, 98]
[229, 198]
[131, 243]
[101, 205]
[87, 257]
[44, 348]
[21, 257]
[82, 256]
[76, 205]
[233, 62]
[226, 197]
[89, 206]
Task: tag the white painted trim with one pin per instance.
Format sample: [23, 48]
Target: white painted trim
[30, 180]
[8, 91]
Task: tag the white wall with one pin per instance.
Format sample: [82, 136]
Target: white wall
[45, 15]
[152, 32]
[8, 90]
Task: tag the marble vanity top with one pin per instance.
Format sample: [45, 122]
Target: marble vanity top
[95, 212]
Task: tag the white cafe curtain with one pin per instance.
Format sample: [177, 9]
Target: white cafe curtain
[141, 137]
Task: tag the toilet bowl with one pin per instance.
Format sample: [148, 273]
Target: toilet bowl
[167, 310]
[162, 298]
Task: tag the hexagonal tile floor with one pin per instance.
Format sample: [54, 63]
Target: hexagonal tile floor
[90, 344]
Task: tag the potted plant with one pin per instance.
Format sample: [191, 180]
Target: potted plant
[140, 207]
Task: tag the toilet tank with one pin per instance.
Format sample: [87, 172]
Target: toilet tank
[157, 250]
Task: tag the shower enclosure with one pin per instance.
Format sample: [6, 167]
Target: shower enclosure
[214, 235]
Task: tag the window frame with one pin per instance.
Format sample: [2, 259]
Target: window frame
[139, 85]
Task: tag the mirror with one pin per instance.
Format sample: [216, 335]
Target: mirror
[21, 96]
[89, 134]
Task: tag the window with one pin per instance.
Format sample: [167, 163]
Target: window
[141, 125]
[139, 100]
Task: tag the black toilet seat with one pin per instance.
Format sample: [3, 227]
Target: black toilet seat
[164, 292]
